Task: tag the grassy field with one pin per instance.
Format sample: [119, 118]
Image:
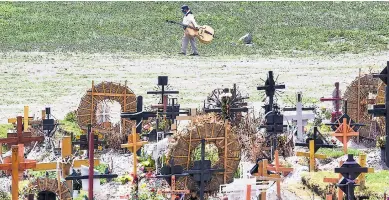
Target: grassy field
[298, 28]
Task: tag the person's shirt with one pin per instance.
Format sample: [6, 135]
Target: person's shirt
[188, 19]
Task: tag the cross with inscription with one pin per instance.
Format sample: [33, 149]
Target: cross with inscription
[202, 171]
[299, 117]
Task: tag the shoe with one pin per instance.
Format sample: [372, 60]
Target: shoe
[182, 53]
[194, 54]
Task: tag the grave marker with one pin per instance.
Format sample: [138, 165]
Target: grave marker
[202, 171]
[16, 166]
[336, 99]
[314, 144]
[299, 117]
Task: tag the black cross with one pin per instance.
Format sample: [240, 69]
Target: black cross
[232, 107]
[48, 124]
[170, 170]
[383, 110]
[173, 110]
[274, 124]
[350, 171]
[319, 143]
[202, 171]
[270, 88]
[355, 126]
[139, 115]
[162, 81]
[84, 141]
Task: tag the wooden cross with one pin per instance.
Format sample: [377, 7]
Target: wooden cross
[299, 117]
[344, 132]
[264, 175]
[350, 170]
[383, 109]
[278, 168]
[361, 178]
[134, 144]
[169, 173]
[311, 154]
[202, 170]
[16, 166]
[262, 168]
[338, 122]
[66, 154]
[26, 119]
[334, 181]
[270, 88]
[336, 99]
[20, 137]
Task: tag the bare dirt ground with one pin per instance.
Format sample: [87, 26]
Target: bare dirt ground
[60, 80]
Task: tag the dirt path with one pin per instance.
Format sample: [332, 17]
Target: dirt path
[60, 80]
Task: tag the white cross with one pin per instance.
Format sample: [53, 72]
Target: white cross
[237, 190]
[299, 117]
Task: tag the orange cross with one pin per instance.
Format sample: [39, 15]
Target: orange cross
[263, 168]
[16, 166]
[344, 132]
[173, 190]
[335, 180]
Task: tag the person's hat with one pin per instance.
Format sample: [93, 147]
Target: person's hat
[184, 7]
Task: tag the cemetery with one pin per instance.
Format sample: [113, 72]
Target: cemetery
[211, 152]
[272, 101]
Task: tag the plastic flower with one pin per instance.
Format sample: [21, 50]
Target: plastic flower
[143, 185]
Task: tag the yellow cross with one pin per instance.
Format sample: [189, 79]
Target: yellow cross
[26, 119]
[311, 155]
[134, 144]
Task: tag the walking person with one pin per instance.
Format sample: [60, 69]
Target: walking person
[188, 20]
